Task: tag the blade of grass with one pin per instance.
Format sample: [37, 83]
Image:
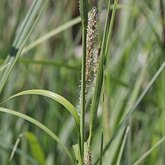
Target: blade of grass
[53, 96]
[39, 125]
[57, 64]
[36, 149]
[51, 34]
[122, 145]
[7, 147]
[34, 145]
[149, 151]
[101, 65]
[21, 39]
[101, 148]
[133, 109]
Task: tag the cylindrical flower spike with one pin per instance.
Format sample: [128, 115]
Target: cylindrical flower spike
[91, 34]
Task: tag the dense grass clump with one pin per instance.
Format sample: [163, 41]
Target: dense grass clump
[82, 82]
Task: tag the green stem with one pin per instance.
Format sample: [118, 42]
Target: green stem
[84, 19]
[101, 66]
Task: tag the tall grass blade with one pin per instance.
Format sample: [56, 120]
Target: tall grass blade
[22, 37]
[53, 96]
[51, 34]
[133, 109]
[39, 125]
[149, 151]
[101, 66]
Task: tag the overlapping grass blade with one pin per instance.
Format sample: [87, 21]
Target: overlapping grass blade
[53, 96]
[22, 37]
[133, 109]
[39, 125]
[161, 141]
[51, 34]
[101, 66]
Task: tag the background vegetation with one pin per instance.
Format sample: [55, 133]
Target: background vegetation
[130, 126]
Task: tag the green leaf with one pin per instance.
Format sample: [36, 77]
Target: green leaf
[150, 151]
[36, 148]
[53, 96]
[51, 34]
[39, 125]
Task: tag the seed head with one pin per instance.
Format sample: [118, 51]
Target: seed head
[91, 34]
[88, 158]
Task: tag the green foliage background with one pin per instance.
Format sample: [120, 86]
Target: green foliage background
[137, 52]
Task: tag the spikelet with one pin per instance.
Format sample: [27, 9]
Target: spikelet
[88, 158]
[91, 34]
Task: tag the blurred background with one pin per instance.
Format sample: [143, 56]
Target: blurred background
[136, 53]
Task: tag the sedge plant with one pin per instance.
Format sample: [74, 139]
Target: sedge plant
[119, 116]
